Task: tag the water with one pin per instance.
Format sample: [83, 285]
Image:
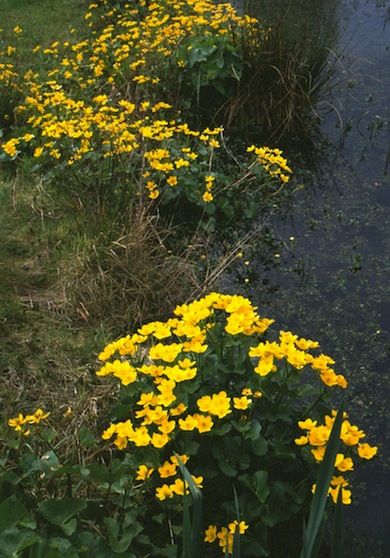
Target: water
[331, 276]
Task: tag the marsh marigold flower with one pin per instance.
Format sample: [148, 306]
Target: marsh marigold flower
[366, 451]
[211, 534]
[144, 472]
[37, 416]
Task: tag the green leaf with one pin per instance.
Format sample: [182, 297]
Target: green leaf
[223, 429]
[258, 484]
[227, 468]
[226, 207]
[48, 435]
[230, 455]
[86, 437]
[48, 463]
[196, 55]
[254, 430]
[260, 446]
[14, 513]
[14, 540]
[190, 447]
[283, 450]
[62, 512]
[120, 543]
[101, 473]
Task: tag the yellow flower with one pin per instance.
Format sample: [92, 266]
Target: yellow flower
[178, 487]
[319, 453]
[350, 434]
[189, 423]
[167, 470]
[38, 151]
[144, 472]
[198, 481]
[265, 366]
[124, 371]
[301, 441]
[167, 353]
[345, 495]
[242, 527]
[37, 416]
[140, 436]
[10, 147]
[343, 464]
[172, 180]
[220, 404]
[319, 435]
[164, 492]
[179, 410]
[207, 197]
[17, 422]
[166, 428]
[121, 442]
[68, 413]
[241, 403]
[307, 424]
[210, 534]
[159, 440]
[366, 451]
[183, 458]
[226, 540]
[109, 432]
[204, 424]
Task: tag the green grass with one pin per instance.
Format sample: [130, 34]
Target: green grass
[42, 22]
[41, 349]
[67, 284]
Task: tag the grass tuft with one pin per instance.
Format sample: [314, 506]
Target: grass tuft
[126, 281]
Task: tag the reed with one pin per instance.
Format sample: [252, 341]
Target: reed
[288, 71]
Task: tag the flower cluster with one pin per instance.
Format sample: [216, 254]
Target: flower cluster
[272, 162]
[8, 73]
[172, 369]
[94, 103]
[169, 469]
[317, 436]
[225, 536]
[163, 411]
[295, 351]
[22, 423]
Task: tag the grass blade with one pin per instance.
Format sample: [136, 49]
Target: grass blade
[236, 539]
[191, 530]
[337, 547]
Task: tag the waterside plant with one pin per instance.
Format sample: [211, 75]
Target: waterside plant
[100, 119]
[248, 413]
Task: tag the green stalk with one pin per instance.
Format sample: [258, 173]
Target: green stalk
[312, 533]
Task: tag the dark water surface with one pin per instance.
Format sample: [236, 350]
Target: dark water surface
[332, 272]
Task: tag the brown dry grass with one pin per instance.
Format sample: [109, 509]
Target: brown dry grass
[125, 282]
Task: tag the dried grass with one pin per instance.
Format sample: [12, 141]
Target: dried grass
[127, 281]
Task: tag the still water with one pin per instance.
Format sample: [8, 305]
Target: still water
[330, 280]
